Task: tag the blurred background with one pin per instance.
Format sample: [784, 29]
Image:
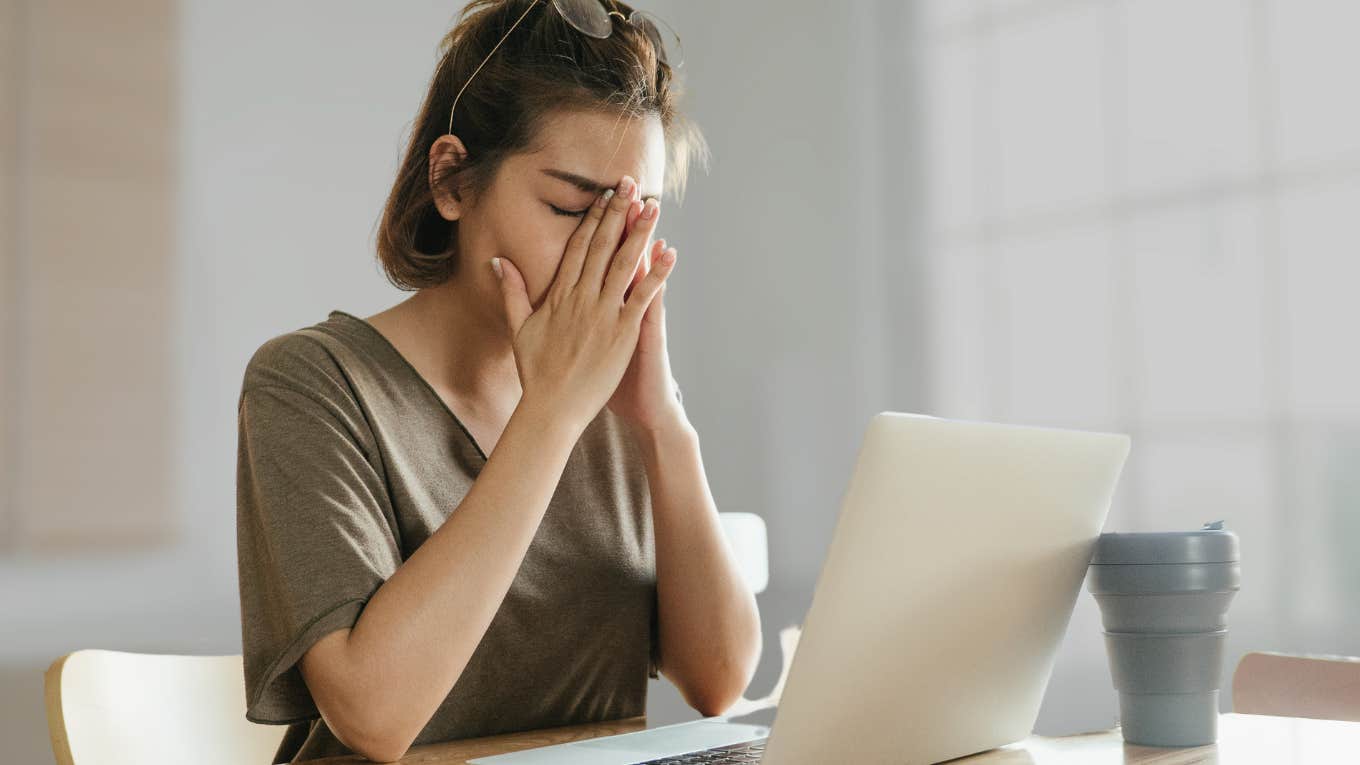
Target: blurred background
[1128, 215]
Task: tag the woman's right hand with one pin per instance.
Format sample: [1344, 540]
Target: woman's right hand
[572, 351]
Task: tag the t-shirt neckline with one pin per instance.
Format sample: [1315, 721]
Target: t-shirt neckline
[416, 373]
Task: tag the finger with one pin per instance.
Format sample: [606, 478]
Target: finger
[642, 296]
[631, 214]
[569, 270]
[625, 263]
[655, 313]
[605, 243]
[515, 295]
[645, 266]
[634, 212]
[656, 310]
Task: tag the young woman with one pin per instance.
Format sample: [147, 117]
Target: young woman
[483, 509]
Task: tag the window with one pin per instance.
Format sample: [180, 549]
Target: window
[1144, 219]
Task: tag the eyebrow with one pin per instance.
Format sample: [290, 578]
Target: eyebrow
[586, 184]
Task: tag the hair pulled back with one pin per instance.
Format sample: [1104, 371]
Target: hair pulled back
[544, 67]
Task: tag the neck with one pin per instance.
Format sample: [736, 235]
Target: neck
[461, 340]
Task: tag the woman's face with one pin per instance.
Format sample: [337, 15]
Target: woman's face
[537, 201]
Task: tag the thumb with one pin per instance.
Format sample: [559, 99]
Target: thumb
[514, 293]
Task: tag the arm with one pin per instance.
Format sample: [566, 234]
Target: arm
[378, 683]
[709, 622]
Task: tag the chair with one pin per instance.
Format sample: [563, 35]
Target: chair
[746, 534]
[750, 544]
[1322, 687]
[111, 707]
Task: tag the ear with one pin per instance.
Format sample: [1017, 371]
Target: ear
[446, 153]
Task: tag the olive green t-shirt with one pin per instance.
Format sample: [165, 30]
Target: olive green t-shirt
[347, 461]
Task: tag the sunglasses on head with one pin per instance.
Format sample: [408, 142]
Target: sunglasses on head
[591, 18]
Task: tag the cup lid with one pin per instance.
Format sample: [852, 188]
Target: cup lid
[1210, 544]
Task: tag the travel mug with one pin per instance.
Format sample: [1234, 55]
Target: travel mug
[1164, 600]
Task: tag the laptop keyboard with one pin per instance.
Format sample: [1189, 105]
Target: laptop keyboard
[746, 751]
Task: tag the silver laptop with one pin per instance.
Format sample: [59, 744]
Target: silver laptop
[957, 557]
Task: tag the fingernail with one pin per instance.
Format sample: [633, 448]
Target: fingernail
[604, 198]
[649, 209]
[668, 257]
[496, 266]
[626, 185]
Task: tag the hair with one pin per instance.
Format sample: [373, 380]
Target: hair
[545, 67]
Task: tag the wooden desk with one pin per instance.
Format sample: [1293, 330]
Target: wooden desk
[1242, 740]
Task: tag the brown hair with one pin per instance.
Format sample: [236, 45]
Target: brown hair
[544, 66]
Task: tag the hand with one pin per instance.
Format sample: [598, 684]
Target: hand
[646, 397]
[572, 351]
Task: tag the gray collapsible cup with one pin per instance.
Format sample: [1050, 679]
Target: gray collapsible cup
[1164, 600]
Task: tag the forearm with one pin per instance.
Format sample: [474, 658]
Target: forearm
[708, 618]
[417, 633]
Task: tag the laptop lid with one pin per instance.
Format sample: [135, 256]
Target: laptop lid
[952, 572]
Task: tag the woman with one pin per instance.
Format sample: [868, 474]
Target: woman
[483, 509]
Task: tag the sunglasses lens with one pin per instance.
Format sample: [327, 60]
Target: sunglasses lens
[588, 16]
[667, 43]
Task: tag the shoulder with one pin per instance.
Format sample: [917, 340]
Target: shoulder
[297, 381]
[309, 361]
[292, 359]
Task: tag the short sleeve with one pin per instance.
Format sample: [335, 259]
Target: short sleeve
[315, 534]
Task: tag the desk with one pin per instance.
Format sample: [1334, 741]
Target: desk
[1242, 740]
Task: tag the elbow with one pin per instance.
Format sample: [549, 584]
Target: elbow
[707, 709]
[380, 747]
[384, 754]
[379, 740]
[714, 704]
[720, 692]
[377, 725]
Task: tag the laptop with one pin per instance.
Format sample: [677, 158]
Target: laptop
[950, 579]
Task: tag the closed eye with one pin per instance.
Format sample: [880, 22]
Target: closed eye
[573, 213]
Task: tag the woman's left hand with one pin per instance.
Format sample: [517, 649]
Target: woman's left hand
[646, 395]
